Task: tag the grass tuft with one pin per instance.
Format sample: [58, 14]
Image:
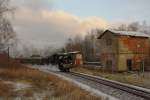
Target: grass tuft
[47, 85]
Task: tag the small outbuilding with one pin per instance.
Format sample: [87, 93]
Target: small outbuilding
[124, 50]
[77, 57]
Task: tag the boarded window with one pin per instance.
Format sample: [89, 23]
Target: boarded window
[109, 63]
[108, 42]
[129, 64]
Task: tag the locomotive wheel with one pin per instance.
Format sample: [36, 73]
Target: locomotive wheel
[67, 70]
[61, 68]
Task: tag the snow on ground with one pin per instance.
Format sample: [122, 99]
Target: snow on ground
[88, 88]
[36, 96]
[40, 96]
[45, 67]
[18, 85]
[50, 68]
[129, 85]
[21, 86]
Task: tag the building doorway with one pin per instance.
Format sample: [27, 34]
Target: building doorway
[129, 64]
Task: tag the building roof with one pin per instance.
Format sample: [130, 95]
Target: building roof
[74, 52]
[127, 33]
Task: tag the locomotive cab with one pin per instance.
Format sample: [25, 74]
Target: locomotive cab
[66, 61]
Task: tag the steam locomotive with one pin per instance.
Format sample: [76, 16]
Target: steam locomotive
[66, 61]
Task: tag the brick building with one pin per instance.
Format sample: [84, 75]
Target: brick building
[124, 50]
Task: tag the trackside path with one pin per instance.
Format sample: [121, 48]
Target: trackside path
[53, 70]
[95, 88]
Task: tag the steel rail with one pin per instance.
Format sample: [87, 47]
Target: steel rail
[144, 93]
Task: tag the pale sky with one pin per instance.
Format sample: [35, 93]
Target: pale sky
[52, 22]
[108, 9]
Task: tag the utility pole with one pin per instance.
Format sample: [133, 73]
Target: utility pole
[8, 56]
[143, 60]
[143, 67]
[143, 64]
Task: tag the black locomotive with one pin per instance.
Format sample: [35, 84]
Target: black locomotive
[65, 61]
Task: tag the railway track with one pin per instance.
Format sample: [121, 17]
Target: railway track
[144, 93]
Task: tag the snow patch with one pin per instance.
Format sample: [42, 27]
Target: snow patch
[18, 85]
[45, 67]
[87, 88]
[21, 86]
[125, 84]
[81, 85]
[41, 96]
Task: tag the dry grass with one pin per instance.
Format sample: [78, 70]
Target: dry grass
[54, 87]
[130, 78]
[5, 89]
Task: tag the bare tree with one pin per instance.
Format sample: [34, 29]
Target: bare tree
[134, 26]
[89, 46]
[7, 34]
[123, 27]
[69, 45]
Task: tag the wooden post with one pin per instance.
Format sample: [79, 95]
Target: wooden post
[8, 56]
[143, 62]
[143, 69]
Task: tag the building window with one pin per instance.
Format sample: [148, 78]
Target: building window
[109, 63]
[129, 64]
[108, 42]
